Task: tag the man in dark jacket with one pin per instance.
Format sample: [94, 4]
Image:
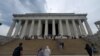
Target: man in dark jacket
[18, 50]
[40, 52]
[88, 49]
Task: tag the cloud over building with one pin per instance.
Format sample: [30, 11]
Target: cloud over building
[9, 7]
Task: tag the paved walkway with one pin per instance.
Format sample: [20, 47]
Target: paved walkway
[54, 55]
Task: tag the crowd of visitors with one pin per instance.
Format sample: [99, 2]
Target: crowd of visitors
[52, 37]
[45, 51]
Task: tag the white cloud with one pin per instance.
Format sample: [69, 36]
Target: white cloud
[29, 6]
[4, 29]
[1, 20]
[91, 7]
[8, 7]
[19, 8]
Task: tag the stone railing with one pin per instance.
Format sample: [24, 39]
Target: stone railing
[5, 39]
[95, 39]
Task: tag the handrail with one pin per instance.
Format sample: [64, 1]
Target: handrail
[92, 39]
[5, 39]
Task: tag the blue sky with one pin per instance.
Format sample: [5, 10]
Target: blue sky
[8, 7]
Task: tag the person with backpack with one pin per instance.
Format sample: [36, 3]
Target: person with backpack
[18, 50]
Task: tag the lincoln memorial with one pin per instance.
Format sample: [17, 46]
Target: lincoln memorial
[45, 24]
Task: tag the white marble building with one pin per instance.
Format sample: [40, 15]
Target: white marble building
[45, 24]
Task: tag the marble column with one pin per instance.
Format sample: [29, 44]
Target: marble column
[39, 27]
[68, 28]
[46, 28]
[24, 29]
[81, 27]
[21, 30]
[53, 27]
[75, 28]
[60, 27]
[78, 28]
[88, 27]
[31, 28]
[18, 26]
[11, 29]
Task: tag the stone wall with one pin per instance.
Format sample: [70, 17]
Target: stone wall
[5, 39]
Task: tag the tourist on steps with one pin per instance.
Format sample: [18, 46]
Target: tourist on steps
[60, 43]
[94, 49]
[88, 49]
[47, 51]
[40, 52]
[18, 50]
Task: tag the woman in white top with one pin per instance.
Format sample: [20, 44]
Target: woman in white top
[47, 51]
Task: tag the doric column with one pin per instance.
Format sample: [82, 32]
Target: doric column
[53, 27]
[11, 29]
[82, 27]
[31, 28]
[39, 27]
[68, 28]
[46, 27]
[60, 28]
[88, 27]
[17, 28]
[75, 28]
[24, 29]
[21, 30]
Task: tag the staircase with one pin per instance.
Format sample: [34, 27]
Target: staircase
[30, 47]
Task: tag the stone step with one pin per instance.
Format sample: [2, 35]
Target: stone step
[54, 55]
[72, 46]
